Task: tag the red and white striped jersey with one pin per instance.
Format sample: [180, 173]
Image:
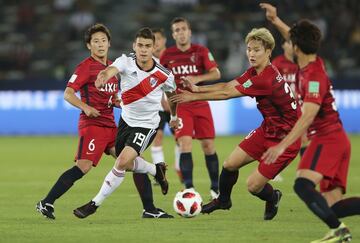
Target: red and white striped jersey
[141, 91]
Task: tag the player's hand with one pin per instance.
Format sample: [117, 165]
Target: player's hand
[117, 103]
[273, 153]
[91, 111]
[188, 83]
[184, 96]
[271, 13]
[174, 124]
[100, 80]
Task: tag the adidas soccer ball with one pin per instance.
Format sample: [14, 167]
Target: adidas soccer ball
[187, 203]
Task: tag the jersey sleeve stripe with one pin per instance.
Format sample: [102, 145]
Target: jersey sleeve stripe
[163, 69]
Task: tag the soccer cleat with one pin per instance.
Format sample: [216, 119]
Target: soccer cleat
[271, 208]
[85, 210]
[339, 235]
[157, 213]
[215, 204]
[214, 194]
[47, 209]
[160, 177]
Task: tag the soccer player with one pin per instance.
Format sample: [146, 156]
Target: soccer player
[326, 159]
[143, 82]
[97, 128]
[196, 63]
[279, 108]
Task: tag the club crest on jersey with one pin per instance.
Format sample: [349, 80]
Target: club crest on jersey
[192, 58]
[247, 84]
[134, 74]
[153, 82]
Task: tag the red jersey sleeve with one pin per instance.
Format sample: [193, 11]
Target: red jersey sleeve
[79, 78]
[256, 85]
[209, 60]
[315, 89]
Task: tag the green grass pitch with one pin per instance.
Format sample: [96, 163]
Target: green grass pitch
[31, 165]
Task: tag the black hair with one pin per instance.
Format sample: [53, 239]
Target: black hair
[306, 36]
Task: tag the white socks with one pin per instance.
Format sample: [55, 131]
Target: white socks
[157, 154]
[142, 166]
[111, 182]
[177, 157]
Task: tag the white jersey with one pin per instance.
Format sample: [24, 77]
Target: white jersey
[141, 91]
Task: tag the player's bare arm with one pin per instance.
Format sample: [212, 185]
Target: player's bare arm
[104, 75]
[309, 113]
[213, 74]
[69, 96]
[214, 92]
[174, 121]
[271, 15]
[165, 103]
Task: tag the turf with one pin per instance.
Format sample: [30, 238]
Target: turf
[30, 165]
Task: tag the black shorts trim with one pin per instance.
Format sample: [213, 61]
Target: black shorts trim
[316, 157]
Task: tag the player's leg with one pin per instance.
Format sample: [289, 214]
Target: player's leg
[92, 144]
[305, 188]
[228, 178]
[334, 190]
[258, 186]
[157, 153]
[112, 181]
[322, 161]
[184, 135]
[342, 207]
[258, 182]
[186, 160]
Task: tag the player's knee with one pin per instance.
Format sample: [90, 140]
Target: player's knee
[84, 165]
[253, 185]
[122, 163]
[302, 185]
[208, 147]
[229, 165]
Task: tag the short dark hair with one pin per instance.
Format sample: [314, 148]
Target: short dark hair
[98, 27]
[180, 19]
[145, 33]
[306, 35]
[158, 30]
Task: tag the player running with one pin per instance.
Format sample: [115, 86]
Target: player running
[143, 82]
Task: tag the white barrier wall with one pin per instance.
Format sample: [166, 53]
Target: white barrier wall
[45, 112]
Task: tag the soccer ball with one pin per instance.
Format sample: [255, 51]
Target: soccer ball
[187, 203]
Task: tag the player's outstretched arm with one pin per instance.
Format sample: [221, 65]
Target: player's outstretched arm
[69, 96]
[104, 75]
[212, 75]
[214, 92]
[271, 15]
